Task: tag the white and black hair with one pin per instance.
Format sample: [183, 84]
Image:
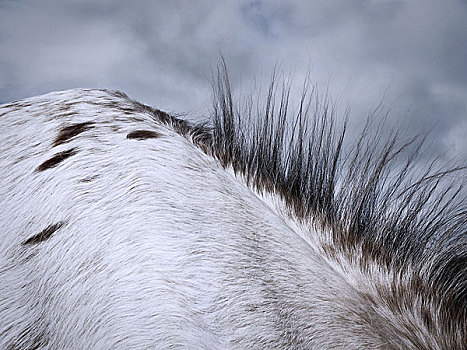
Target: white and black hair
[373, 198]
[383, 239]
[378, 205]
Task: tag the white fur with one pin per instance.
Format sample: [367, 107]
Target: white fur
[161, 247]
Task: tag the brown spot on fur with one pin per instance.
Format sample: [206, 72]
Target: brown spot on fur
[43, 235]
[143, 134]
[89, 178]
[56, 159]
[68, 132]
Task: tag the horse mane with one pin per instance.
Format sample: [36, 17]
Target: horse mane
[373, 197]
[369, 193]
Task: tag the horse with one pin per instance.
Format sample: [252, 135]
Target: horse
[124, 227]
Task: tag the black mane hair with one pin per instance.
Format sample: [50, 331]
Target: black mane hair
[369, 194]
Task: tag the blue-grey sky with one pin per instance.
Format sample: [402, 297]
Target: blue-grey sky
[411, 53]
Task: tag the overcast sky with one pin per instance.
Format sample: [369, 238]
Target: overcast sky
[411, 53]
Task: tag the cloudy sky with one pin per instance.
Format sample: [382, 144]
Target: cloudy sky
[410, 54]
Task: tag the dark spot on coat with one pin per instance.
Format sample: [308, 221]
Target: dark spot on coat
[30, 338]
[56, 159]
[89, 178]
[43, 235]
[143, 134]
[68, 132]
